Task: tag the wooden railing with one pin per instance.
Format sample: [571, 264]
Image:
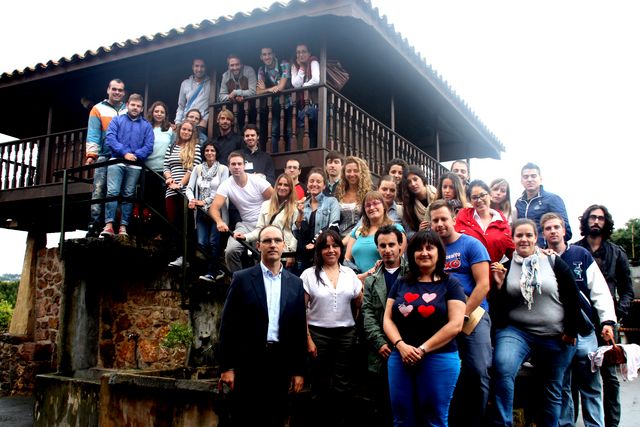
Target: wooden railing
[349, 129]
[32, 161]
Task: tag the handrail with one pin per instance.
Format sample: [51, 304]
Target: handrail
[74, 174]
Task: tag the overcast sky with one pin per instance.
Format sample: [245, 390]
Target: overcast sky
[558, 82]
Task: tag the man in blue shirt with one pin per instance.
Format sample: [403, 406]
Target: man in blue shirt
[263, 336]
[468, 261]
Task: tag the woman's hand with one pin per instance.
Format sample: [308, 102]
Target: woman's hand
[311, 347]
[410, 354]
[424, 225]
[498, 272]
[300, 205]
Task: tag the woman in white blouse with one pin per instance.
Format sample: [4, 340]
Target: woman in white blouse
[333, 294]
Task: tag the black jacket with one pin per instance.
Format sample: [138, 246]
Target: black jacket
[574, 322]
[616, 271]
[244, 323]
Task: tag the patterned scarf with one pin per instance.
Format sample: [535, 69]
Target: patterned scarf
[530, 278]
[207, 174]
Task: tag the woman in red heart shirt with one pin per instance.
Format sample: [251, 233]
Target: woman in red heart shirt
[424, 313]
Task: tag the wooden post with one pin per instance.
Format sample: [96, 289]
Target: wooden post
[212, 100]
[394, 148]
[23, 319]
[322, 99]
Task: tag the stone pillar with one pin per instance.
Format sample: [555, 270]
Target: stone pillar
[22, 321]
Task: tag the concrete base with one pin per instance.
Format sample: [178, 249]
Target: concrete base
[118, 398]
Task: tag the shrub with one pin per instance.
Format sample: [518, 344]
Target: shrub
[6, 311]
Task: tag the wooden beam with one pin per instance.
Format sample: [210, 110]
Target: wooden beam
[23, 319]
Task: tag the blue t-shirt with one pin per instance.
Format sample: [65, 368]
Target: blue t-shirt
[461, 255]
[364, 251]
[420, 309]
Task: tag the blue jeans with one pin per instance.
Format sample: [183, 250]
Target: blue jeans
[121, 180]
[208, 238]
[99, 192]
[421, 394]
[472, 391]
[582, 385]
[513, 348]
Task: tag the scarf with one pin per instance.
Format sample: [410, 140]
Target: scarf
[421, 211]
[207, 174]
[530, 278]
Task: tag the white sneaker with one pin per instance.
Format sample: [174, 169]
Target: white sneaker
[176, 263]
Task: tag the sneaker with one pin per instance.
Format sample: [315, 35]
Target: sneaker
[207, 278]
[219, 275]
[177, 263]
[122, 231]
[108, 231]
[92, 231]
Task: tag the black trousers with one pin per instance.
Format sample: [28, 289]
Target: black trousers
[261, 390]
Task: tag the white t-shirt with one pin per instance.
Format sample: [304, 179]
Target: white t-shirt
[247, 199]
[329, 307]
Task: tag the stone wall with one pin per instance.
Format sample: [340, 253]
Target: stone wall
[22, 357]
[133, 324]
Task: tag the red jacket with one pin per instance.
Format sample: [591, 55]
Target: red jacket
[497, 239]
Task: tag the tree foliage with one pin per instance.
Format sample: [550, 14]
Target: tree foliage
[628, 240]
[8, 295]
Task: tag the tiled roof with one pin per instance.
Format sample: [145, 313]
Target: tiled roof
[389, 30]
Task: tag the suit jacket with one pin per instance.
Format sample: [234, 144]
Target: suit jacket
[243, 328]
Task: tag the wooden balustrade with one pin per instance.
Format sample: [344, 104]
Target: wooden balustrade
[350, 130]
[32, 161]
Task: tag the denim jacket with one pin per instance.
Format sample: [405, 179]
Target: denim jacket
[328, 212]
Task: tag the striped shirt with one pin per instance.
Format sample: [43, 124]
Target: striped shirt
[173, 164]
[99, 119]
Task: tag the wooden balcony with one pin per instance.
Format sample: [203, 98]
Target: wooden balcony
[30, 190]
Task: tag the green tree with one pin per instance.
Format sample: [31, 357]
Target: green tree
[9, 292]
[629, 238]
[6, 311]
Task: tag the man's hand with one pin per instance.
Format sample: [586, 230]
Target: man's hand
[607, 333]
[297, 382]
[228, 378]
[238, 236]
[384, 351]
[130, 156]
[90, 161]
[222, 227]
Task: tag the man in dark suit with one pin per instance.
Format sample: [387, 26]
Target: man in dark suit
[263, 336]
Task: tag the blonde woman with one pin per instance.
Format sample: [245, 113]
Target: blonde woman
[179, 161]
[501, 198]
[351, 191]
[281, 210]
[361, 247]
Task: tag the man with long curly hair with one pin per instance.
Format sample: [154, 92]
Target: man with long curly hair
[596, 225]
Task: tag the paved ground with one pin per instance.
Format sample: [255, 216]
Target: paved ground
[18, 411]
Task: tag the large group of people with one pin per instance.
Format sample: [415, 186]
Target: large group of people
[450, 288]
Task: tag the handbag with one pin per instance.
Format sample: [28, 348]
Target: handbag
[614, 356]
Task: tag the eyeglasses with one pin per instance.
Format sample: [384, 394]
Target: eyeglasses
[596, 218]
[276, 240]
[372, 204]
[477, 197]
